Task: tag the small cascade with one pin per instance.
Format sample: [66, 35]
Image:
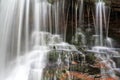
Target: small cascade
[104, 51]
[104, 55]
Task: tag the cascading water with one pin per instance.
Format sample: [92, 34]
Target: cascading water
[22, 63]
[104, 53]
[25, 36]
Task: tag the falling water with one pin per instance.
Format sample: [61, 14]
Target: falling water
[56, 17]
[50, 18]
[7, 26]
[17, 63]
[26, 31]
[104, 53]
[109, 42]
[100, 21]
[27, 25]
[76, 15]
[81, 12]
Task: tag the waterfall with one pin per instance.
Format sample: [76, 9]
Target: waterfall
[100, 12]
[26, 32]
[33, 35]
[7, 41]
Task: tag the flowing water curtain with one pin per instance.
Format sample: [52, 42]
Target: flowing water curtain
[40, 15]
[100, 22]
[49, 14]
[42, 20]
[14, 33]
[65, 19]
[58, 17]
[8, 33]
[56, 8]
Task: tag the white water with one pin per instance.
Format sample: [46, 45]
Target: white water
[100, 21]
[22, 57]
[25, 38]
[30, 66]
[7, 22]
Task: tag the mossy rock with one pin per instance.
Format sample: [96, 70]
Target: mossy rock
[90, 58]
